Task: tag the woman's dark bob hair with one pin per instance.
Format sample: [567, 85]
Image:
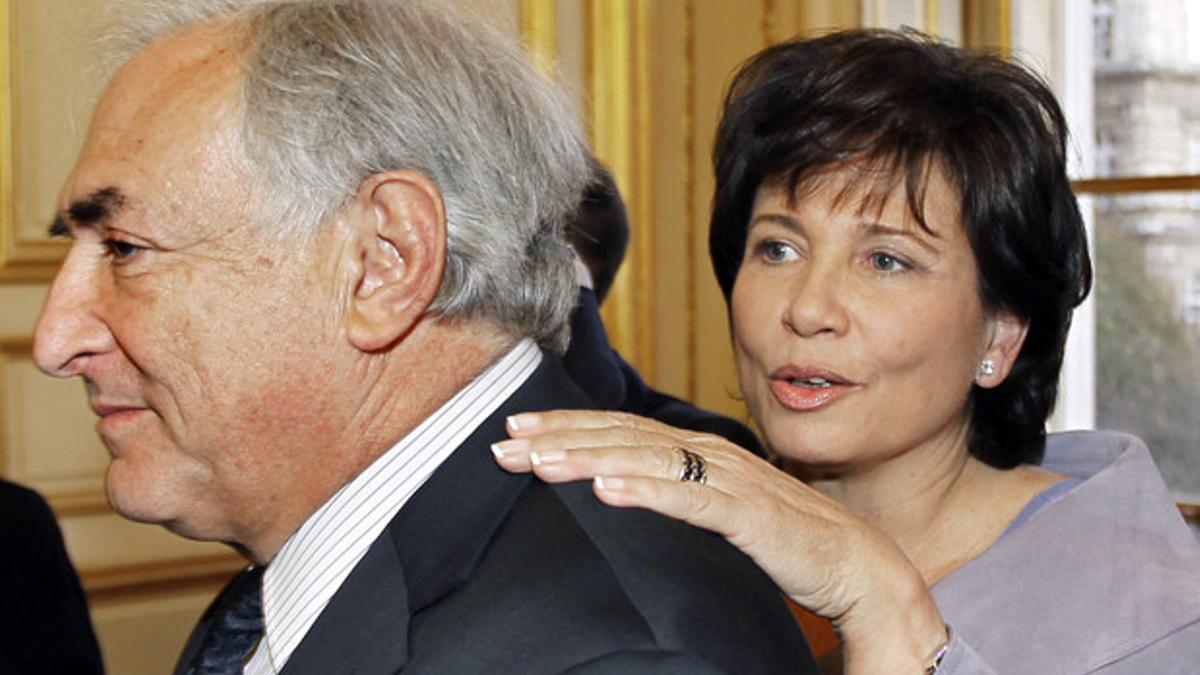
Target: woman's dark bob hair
[894, 106]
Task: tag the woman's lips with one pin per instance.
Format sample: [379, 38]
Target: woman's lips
[804, 389]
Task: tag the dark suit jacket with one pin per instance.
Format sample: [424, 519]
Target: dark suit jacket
[44, 621]
[613, 384]
[488, 572]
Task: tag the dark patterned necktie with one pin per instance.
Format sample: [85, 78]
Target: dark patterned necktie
[235, 629]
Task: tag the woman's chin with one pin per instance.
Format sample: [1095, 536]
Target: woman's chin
[813, 446]
[814, 467]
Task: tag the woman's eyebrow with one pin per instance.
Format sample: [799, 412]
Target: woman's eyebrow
[874, 228]
[776, 218]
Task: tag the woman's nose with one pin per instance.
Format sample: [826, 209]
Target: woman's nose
[817, 306]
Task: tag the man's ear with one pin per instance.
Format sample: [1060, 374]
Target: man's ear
[1004, 345]
[401, 244]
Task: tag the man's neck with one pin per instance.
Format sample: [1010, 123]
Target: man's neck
[396, 390]
[403, 387]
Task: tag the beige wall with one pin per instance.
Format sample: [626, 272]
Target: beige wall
[648, 76]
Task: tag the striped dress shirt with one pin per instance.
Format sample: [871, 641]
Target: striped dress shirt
[317, 558]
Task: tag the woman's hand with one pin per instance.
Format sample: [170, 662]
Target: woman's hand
[823, 556]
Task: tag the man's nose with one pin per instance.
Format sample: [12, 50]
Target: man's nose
[817, 304]
[69, 330]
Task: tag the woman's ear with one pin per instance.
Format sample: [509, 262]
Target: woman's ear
[400, 221]
[1007, 335]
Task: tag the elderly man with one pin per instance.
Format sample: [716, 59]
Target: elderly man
[316, 245]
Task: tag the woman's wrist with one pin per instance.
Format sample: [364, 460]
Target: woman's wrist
[897, 628]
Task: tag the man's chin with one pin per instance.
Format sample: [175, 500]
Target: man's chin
[132, 501]
[132, 506]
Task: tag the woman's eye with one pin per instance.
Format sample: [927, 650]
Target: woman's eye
[885, 262]
[776, 251]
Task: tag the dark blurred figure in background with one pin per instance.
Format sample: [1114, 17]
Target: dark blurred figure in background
[44, 621]
[600, 235]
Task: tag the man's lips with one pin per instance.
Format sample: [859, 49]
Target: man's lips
[109, 409]
[112, 415]
[806, 388]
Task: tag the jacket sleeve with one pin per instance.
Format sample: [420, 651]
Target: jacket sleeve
[645, 662]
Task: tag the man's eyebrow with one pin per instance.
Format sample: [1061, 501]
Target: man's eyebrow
[95, 209]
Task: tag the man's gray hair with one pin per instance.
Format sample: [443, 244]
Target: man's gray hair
[337, 90]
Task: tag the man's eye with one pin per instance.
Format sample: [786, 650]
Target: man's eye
[121, 251]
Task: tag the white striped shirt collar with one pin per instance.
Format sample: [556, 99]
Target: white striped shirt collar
[317, 558]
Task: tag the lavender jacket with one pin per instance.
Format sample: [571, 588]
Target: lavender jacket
[1105, 579]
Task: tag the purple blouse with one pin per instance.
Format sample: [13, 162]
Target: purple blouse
[1101, 574]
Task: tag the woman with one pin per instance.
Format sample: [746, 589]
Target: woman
[901, 251]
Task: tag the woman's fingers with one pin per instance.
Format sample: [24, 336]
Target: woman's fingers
[555, 461]
[705, 506]
[532, 424]
[578, 445]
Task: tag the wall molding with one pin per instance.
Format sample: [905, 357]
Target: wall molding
[8, 348]
[123, 582]
[1118, 185]
[691, 297]
[64, 503]
[987, 24]
[21, 258]
[539, 30]
[81, 503]
[933, 17]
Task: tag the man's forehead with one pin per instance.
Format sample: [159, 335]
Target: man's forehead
[167, 115]
[179, 80]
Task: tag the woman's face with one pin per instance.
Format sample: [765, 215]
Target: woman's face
[858, 333]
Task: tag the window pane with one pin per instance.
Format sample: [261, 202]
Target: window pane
[1147, 87]
[1147, 255]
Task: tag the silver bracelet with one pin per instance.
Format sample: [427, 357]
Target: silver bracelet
[941, 654]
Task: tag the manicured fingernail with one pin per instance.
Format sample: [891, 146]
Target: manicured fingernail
[510, 447]
[609, 484]
[523, 421]
[547, 456]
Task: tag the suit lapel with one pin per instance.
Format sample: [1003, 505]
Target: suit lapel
[442, 533]
[373, 601]
[432, 546]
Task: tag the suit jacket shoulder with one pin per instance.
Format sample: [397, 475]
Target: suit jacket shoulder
[486, 572]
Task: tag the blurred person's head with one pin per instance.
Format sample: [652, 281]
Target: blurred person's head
[599, 230]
